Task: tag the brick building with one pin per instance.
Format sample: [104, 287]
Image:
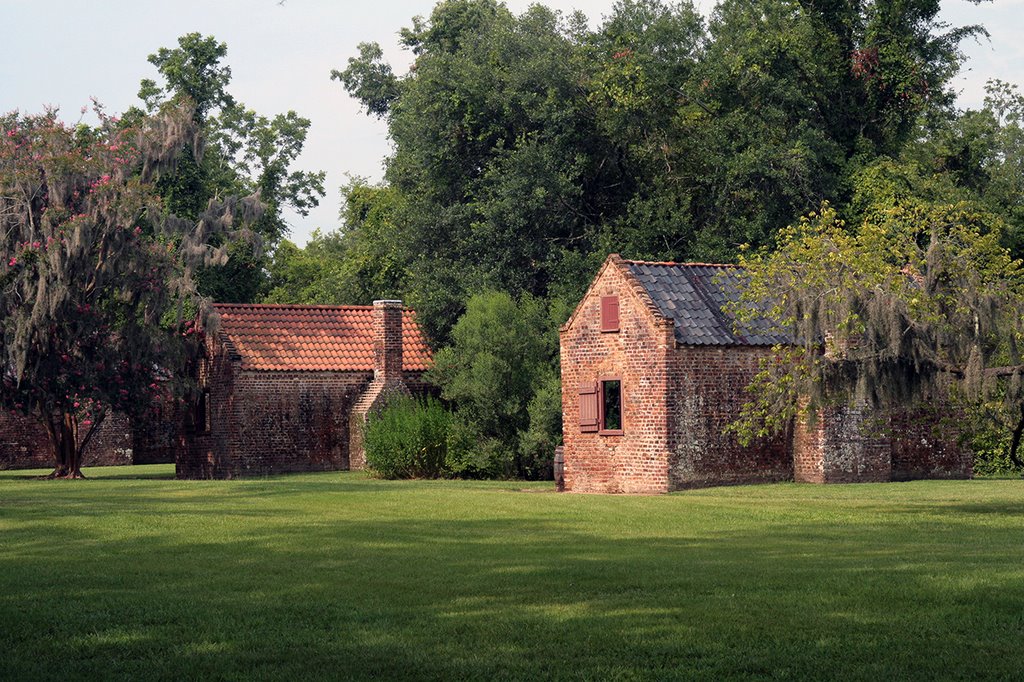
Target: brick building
[654, 369]
[285, 388]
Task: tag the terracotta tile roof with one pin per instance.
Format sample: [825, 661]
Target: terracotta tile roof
[312, 338]
[696, 296]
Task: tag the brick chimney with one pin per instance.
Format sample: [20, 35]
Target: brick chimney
[387, 375]
[387, 341]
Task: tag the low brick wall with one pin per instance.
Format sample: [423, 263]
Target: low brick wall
[925, 444]
[24, 443]
[843, 444]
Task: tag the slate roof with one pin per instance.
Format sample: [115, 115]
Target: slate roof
[312, 338]
[694, 296]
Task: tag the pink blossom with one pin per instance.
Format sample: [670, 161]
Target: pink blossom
[11, 263]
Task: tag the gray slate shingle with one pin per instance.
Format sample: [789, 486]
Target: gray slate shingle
[694, 297]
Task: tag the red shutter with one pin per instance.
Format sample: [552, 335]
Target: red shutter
[588, 406]
[609, 313]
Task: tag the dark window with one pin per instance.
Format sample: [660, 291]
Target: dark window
[611, 405]
[588, 406]
[203, 412]
[609, 313]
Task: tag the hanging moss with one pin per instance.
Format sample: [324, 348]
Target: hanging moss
[90, 265]
[920, 302]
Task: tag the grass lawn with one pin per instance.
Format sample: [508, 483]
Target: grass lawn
[134, 575]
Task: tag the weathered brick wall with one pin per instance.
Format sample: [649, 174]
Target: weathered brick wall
[263, 423]
[287, 421]
[158, 434]
[808, 449]
[637, 460]
[925, 444]
[848, 445]
[856, 446]
[706, 393]
[841, 444]
[24, 443]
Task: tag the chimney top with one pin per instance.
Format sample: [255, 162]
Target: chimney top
[388, 303]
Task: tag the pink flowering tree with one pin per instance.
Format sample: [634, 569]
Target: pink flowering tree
[96, 277]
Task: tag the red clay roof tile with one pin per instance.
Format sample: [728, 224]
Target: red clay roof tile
[313, 338]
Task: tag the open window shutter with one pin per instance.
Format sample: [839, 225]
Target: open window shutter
[609, 313]
[588, 406]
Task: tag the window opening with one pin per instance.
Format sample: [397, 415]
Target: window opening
[203, 412]
[611, 405]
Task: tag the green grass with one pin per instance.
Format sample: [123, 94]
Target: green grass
[133, 575]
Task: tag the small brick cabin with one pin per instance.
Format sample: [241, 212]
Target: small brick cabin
[286, 388]
[654, 369]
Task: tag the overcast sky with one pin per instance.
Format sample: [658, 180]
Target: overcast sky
[63, 52]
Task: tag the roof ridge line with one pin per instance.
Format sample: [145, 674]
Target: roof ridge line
[678, 264]
[278, 306]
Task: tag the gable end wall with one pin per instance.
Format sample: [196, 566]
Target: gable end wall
[637, 460]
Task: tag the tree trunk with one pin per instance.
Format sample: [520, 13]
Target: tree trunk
[1015, 442]
[67, 454]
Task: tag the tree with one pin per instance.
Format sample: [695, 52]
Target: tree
[915, 300]
[983, 151]
[361, 262]
[491, 172]
[499, 362]
[245, 153]
[95, 274]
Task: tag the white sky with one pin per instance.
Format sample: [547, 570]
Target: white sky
[62, 52]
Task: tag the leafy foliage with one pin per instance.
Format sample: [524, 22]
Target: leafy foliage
[916, 301]
[408, 438]
[244, 153]
[91, 265]
[500, 374]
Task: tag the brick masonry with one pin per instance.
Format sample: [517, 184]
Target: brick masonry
[24, 443]
[678, 400]
[261, 422]
[706, 392]
[388, 379]
[856, 445]
[637, 460]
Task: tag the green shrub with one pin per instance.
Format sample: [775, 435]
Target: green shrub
[408, 438]
[992, 454]
[501, 374]
[473, 455]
